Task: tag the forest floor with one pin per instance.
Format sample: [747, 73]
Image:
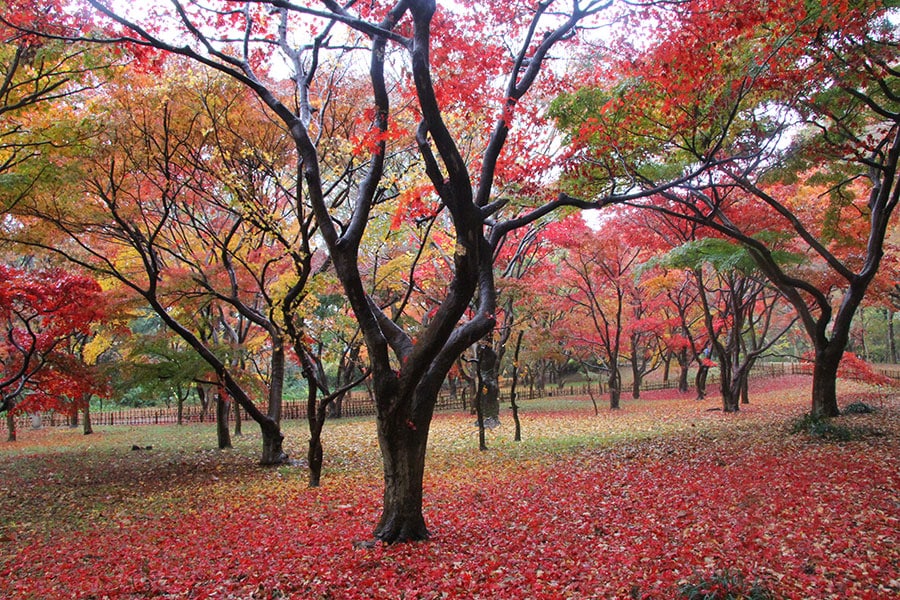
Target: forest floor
[665, 493]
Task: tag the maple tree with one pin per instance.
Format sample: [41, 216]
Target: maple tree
[235, 42]
[740, 310]
[44, 314]
[597, 281]
[174, 209]
[768, 99]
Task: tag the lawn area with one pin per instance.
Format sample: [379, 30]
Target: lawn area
[628, 504]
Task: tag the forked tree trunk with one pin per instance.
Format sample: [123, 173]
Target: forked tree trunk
[403, 446]
[273, 440]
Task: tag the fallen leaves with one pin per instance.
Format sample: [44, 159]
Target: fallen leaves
[634, 515]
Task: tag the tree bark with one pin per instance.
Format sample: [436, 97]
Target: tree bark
[238, 420]
[88, 427]
[10, 426]
[222, 433]
[700, 381]
[512, 391]
[615, 387]
[824, 385]
[273, 439]
[403, 445]
[315, 453]
[488, 397]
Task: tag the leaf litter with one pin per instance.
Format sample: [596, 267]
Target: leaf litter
[621, 505]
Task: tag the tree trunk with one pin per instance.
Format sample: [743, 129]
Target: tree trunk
[824, 385]
[636, 385]
[179, 410]
[512, 391]
[276, 381]
[222, 433]
[88, 427]
[273, 439]
[700, 381]
[488, 396]
[403, 454]
[238, 420]
[615, 387]
[10, 426]
[204, 401]
[892, 342]
[314, 454]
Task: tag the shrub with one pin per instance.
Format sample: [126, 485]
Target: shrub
[858, 408]
[723, 585]
[824, 428]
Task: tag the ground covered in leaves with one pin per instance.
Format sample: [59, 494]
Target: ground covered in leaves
[629, 504]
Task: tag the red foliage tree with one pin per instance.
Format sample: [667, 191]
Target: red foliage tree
[41, 313]
[766, 100]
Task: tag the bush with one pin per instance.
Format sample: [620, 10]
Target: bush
[858, 408]
[723, 585]
[824, 428]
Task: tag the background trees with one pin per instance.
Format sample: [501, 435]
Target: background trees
[791, 107]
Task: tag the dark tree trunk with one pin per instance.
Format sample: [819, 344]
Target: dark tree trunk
[403, 446]
[204, 401]
[222, 433]
[336, 408]
[276, 380]
[179, 410]
[684, 365]
[88, 427]
[636, 385]
[273, 439]
[73, 417]
[615, 387]
[512, 390]
[824, 385]
[315, 453]
[700, 381]
[10, 426]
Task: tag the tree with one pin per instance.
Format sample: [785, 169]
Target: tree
[168, 205]
[597, 281]
[772, 99]
[42, 312]
[740, 310]
[234, 40]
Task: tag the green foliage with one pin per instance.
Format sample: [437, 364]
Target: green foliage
[858, 408]
[723, 585]
[824, 428]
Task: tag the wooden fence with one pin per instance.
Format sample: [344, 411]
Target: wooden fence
[360, 404]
